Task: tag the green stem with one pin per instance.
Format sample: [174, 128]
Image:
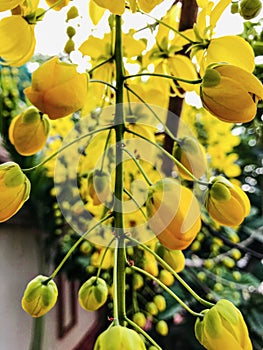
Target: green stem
[176, 161]
[170, 269]
[105, 149]
[170, 27]
[168, 290]
[103, 256]
[140, 330]
[102, 82]
[167, 130]
[138, 166]
[135, 201]
[55, 272]
[119, 121]
[100, 64]
[166, 76]
[65, 147]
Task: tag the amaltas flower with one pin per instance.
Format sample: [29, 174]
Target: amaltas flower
[93, 293]
[28, 131]
[40, 296]
[230, 93]
[223, 327]
[174, 214]
[14, 190]
[226, 202]
[57, 88]
[119, 338]
[17, 40]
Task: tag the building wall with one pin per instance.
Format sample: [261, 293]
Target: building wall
[19, 263]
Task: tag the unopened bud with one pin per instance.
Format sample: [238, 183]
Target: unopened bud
[250, 8]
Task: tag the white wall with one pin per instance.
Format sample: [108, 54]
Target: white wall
[19, 263]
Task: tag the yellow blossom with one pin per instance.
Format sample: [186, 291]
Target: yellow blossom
[28, 131]
[14, 190]
[51, 90]
[223, 327]
[226, 203]
[230, 93]
[17, 40]
[174, 214]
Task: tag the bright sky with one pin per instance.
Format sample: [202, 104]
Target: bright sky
[51, 33]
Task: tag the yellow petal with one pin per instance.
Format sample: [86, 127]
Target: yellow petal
[59, 6]
[9, 4]
[217, 11]
[17, 40]
[148, 5]
[95, 12]
[231, 49]
[117, 7]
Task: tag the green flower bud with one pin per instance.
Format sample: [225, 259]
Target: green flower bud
[250, 8]
[40, 296]
[160, 302]
[162, 328]
[234, 7]
[211, 78]
[71, 31]
[138, 281]
[72, 13]
[69, 46]
[152, 308]
[140, 319]
[119, 338]
[222, 327]
[93, 294]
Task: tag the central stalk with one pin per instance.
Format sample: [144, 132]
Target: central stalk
[119, 125]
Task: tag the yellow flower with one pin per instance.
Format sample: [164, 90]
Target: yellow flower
[93, 294]
[9, 5]
[14, 189]
[119, 338]
[230, 93]
[28, 132]
[223, 327]
[148, 5]
[226, 203]
[17, 40]
[174, 214]
[40, 296]
[231, 49]
[52, 89]
[59, 6]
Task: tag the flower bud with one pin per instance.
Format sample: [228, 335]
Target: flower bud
[28, 132]
[162, 328]
[232, 98]
[138, 281]
[93, 294]
[234, 7]
[192, 155]
[160, 302]
[140, 319]
[226, 203]
[223, 327]
[166, 278]
[40, 296]
[51, 90]
[72, 13]
[14, 190]
[250, 8]
[174, 214]
[151, 308]
[174, 258]
[99, 186]
[119, 338]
